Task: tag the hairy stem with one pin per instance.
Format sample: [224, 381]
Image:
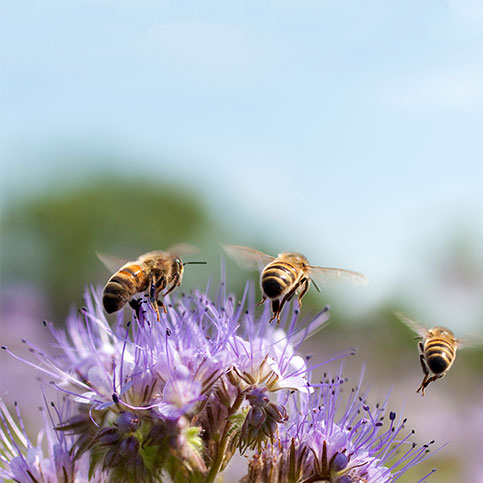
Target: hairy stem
[220, 452]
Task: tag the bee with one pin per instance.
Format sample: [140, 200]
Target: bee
[154, 272]
[437, 349]
[286, 275]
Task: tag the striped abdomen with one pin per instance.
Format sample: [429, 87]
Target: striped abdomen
[278, 278]
[122, 286]
[439, 354]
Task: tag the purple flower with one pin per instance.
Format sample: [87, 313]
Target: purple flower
[269, 362]
[323, 443]
[180, 396]
[48, 459]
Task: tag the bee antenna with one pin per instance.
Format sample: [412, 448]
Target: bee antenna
[316, 286]
[194, 263]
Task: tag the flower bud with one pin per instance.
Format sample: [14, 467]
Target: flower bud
[262, 420]
[129, 448]
[128, 422]
[339, 462]
[256, 417]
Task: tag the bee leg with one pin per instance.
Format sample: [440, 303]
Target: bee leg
[153, 295]
[425, 370]
[426, 379]
[423, 385]
[426, 382]
[160, 303]
[156, 308]
[282, 302]
[275, 309]
[175, 283]
[423, 364]
[305, 282]
[263, 300]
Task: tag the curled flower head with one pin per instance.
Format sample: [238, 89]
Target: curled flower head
[320, 444]
[262, 419]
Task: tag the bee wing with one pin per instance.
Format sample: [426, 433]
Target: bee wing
[326, 274]
[248, 258]
[183, 249]
[112, 263]
[470, 341]
[417, 327]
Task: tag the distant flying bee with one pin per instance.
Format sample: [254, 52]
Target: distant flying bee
[437, 349]
[286, 275]
[153, 272]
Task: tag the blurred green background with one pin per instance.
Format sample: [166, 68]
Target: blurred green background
[51, 241]
[350, 132]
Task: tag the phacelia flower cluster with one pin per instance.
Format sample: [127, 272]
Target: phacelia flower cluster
[177, 398]
[327, 438]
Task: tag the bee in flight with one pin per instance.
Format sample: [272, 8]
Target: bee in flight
[286, 275]
[154, 272]
[437, 349]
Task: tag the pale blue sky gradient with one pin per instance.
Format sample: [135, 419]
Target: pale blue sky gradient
[349, 130]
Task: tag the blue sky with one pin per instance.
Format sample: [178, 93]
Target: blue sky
[360, 121]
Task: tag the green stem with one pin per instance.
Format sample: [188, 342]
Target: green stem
[220, 452]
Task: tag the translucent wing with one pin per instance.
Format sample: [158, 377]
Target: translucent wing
[183, 249]
[417, 327]
[470, 341]
[112, 263]
[326, 274]
[248, 258]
